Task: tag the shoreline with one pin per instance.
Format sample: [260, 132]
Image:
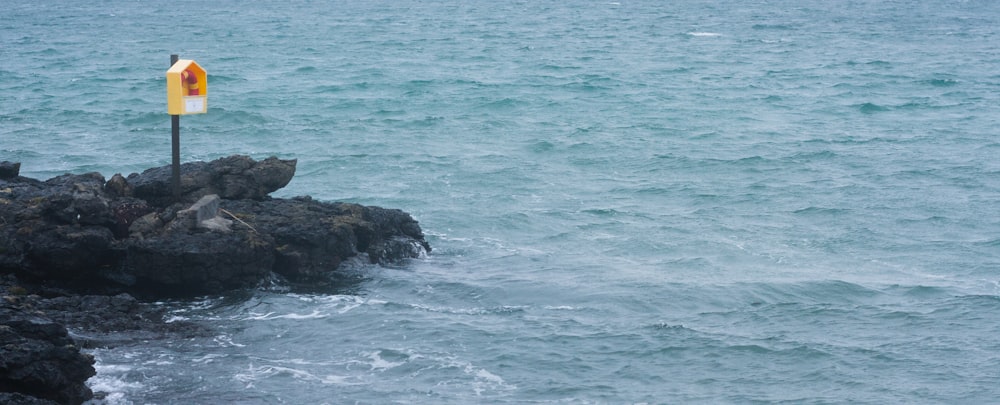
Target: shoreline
[76, 251]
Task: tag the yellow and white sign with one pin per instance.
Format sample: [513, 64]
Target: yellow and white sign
[187, 88]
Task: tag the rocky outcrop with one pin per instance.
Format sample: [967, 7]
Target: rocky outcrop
[231, 178]
[68, 238]
[310, 237]
[127, 235]
[39, 363]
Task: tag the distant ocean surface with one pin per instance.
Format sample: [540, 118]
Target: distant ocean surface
[780, 201]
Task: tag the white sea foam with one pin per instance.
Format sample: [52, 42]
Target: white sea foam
[175, 318]
[502, 309]
[256, 316]
[255, 373]
[341, 380]
[304, 362]
[258, 373]
[208, 358]
[484, 380]
[378, 363]
[111, 381]
[339, 303]
[704, 34]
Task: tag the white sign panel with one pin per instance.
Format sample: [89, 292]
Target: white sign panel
[194, 104]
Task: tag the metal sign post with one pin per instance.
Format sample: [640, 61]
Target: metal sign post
[187, 93]
[175, 142]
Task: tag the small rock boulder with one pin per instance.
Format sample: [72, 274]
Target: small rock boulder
[9, 170]
[232, 178]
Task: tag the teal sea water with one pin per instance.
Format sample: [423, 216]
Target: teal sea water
[629, 201]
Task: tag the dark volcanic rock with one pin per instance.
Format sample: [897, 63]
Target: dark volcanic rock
[58, 228]
[313, 237]
[396, 235]
[187, 264]
[69, 252]
[127, 235]
[40, 363]
[9, 170]
[234, 177]
[21, 399]
[76, 234]
[77, 199]
[38, 358]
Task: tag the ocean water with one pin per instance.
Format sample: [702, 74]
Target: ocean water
[629, 201]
